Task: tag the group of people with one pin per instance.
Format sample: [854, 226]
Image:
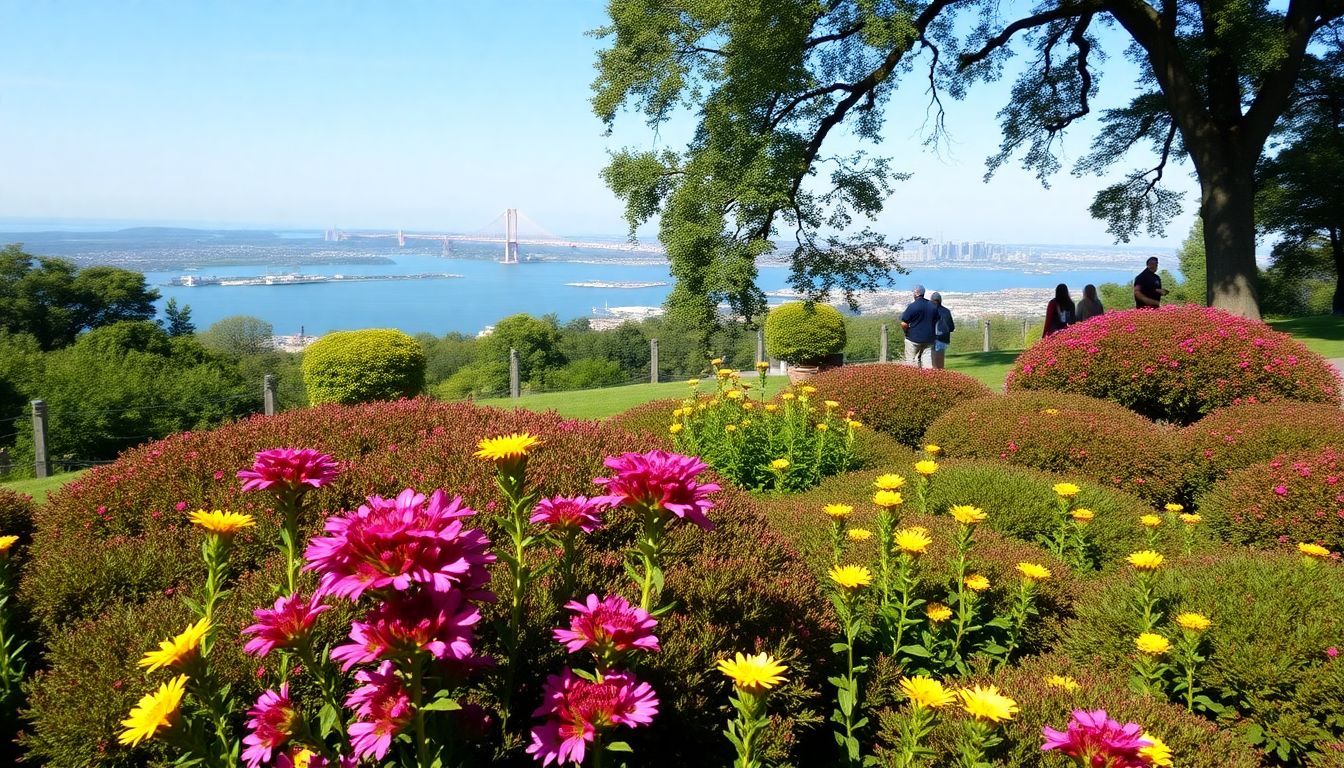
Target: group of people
[928, 324]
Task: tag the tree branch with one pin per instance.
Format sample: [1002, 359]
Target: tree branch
[1030, 22]
[1303, 18]
[1162, 160]
[1079, 39]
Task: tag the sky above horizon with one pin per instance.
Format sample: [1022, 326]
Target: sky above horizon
[417, 115]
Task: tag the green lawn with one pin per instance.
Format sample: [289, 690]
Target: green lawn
[991, 368]
[38, 488]
[1323, 334]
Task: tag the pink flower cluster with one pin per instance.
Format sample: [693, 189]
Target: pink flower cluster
[607, 627]
[662, 481]
[289, 470]
[569, 514]
[1094, 740]
[285, 625]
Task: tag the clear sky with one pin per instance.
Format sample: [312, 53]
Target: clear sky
[416, 114]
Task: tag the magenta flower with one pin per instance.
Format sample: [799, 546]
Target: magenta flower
[441, 623]
[270, 724]
[284, 626]
[1332, 652]
[577, 709]
[1094, 739]
[383, 708]
[394, 543]
[607, 626]
[662, 481]
[302, 757]
[564, 513]
[292, 469]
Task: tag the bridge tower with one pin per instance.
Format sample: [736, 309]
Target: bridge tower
[510, 236]
[401, 238]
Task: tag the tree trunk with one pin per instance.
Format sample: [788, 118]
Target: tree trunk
[1337, 251]
[1228, 209]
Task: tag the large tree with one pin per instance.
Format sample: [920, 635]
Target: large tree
[53, 301]
[773, 82]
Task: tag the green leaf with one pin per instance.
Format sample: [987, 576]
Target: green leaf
[445, 704]
[619, 746]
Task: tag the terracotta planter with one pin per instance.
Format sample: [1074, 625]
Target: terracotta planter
[802, 372]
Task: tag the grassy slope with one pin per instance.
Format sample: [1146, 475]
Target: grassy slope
[1323, 334]
[39, 488]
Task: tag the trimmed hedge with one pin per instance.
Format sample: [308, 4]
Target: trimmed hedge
[1176, 363]
[1068, 434]
[1238, 436]
[897, 400]
[1291, 498]
[804, 332]
[16, 515]
[350, 367]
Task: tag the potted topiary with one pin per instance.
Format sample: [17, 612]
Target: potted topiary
[809, 336]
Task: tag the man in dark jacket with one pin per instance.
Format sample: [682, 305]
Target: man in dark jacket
[1148, 290]
[918, 321]
[942, 330]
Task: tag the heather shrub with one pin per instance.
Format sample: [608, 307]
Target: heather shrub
[16, 515]
[1068, 434]
[1176, 363]
[1292, 497]
[804, 332]
[1268, 671]
[897, 400]
[363, 366]
[1241, 435]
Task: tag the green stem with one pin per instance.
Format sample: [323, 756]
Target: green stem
[417, 698]
[320, 669]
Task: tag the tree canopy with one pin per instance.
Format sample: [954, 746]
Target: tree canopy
[52, 300]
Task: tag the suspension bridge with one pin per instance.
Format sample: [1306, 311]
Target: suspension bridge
[510, 229]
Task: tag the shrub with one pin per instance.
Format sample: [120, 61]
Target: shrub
[362, 366]
[1267, 665]
[897, 400]
[16, 515]
[1293, 497]
[1176, 363]
[804, 332]
[1241, 435]
[1068, 434]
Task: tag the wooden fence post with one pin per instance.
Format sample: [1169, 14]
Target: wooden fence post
[653, 361]
[882, 349]
[515, 388]
[986, 334]
[268, 394]
[40, 462]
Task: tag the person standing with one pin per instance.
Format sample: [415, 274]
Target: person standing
[942, 330]
[1060, 313]
[918, 321]
[1148, 290]
[1090, 306]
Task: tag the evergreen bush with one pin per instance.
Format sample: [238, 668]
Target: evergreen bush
[351, 367]
[804, 333]
[897, 400]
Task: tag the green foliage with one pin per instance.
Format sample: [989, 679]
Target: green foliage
[1238, 436]
[1292, 497]
[362, 366]
[16, 515]
[804, 333]
[1193, 288]
[239, 335]
[20, 369]
[590, 373]
[446, 356]
[538, 344]
[177, 320]
[897, 400]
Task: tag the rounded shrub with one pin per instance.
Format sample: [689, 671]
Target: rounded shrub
[1068, 434]
[1268, 668]
[897, 400]
[1176, 363]
[16, 515]
[1293, 497]
[804, 332]
[1241, 435]
[351, 367]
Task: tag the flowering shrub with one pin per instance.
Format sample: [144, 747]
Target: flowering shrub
[1238, 436]
[1290, 498]
[897, 400]
[16, 515]
[1068, 434]
[1176, 363]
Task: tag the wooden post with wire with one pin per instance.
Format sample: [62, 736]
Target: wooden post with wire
[41, 464]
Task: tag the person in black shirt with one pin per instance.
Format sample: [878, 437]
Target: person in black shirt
[942, 330]
[1148, 290]
[918, 320]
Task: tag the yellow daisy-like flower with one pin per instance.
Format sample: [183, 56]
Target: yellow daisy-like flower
[1152, 644]
[748, 405]
[831, 404]
[787, 396]
[977, 582]
[926, 467]
[753, 674]
[507, 448]
[734, 394]
[889, 482]
[745, 423]
[763, 366]
[822, 427]
[855, 424]
[222, 523]
[887, 499]
[808, 389]
[692, 382]
[851, 576]
[967, 514]
[1049, 411]
[178, 649]
[1083, 515]
[859, 534]
[1150, 521]
[1195, 622]
[838, 511]
[932, 450]
[1191, 518]
[7, 543]
[716, 362]
[1313, 550]
[726, 372]
[779, 465]
[675, 429]
[1033, 571]
[731, 428]
[1146, 560]
[1066, 490]
[1174, 508]
[926, 692]
[771, 408]
[1158, 754]
[914, 541]
[987, 704]
[1062, 682]
[938, 613]
[154, 711]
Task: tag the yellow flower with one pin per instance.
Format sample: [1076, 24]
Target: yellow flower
[926, 692]
[716, 362]
[731, 428]
[855, 424]
[675, 429]
[887, 499]
[832, 404]
[808, 389]
[1313, 550]
[154, 711]
[915, 541]
[1191, 519]
[692, 382]
[1150, 521]
[174, 651]
[926, 467]
[748, 405]
[753, 674]
[1033, 571]
[745, 423]
[1174, 508]
[889, 482]
[1049, 411]
[726, 372]
[6, 543]
[1066, 490]
[222, 523]
[838, 511]
[1157, 754]
[779, 465]
[786, 396]
[506, 448]
[859, 534]
[763, 366]
[734, 394]
[1062, 682]
[851, 576]
[932, 449]
[1152, 644]
[977, 583]
[987, 704]
[1146, 560]
[967, 514]
[771, 407]
[1195, 622]
[938, 613]
[822, 427]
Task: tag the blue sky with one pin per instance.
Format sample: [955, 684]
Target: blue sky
[413, 114]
